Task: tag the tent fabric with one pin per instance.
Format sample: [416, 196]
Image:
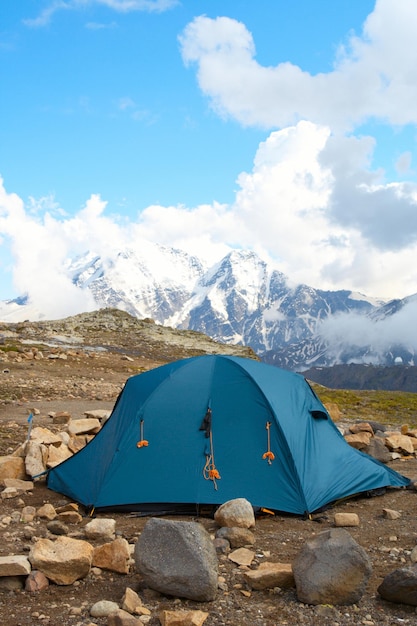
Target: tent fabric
[268, 439]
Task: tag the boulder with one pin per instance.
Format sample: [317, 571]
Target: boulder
[237, 512]
[64, 560]
[177, 558]
[400, 586]
[331, 568]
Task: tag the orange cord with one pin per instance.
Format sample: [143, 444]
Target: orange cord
[210, 472]
[270, 456]
[143, 442]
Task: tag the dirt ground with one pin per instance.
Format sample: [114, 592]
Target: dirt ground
[82, 383]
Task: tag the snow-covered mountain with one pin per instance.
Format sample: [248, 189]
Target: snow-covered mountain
[243, 300]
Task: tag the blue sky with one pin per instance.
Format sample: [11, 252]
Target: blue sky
[288, 128]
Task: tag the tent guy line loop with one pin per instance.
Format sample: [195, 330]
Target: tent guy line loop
[270, 456]
[142, 443]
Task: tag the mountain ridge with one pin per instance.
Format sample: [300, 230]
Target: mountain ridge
[243, 300]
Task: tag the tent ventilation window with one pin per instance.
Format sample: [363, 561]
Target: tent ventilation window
[143, 442]
[209, 472]
[270, 456]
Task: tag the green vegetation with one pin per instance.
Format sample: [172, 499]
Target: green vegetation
[387, 407]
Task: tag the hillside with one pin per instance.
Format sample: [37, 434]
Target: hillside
[78, 364]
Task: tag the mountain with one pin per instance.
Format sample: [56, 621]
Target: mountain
[243, 300]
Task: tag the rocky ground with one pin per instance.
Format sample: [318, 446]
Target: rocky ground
[80, 371]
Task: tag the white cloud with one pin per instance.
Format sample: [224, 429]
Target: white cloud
[373, 75]
[311, 204]
[120, 6]
[356, 330]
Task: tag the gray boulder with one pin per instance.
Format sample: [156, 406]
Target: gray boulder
[400, 586]
[331, 568]
[177, 559]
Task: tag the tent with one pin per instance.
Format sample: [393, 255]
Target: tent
[207, 429]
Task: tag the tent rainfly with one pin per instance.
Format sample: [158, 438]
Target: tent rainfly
[207, 429]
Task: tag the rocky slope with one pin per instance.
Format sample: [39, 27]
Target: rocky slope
[85, 361]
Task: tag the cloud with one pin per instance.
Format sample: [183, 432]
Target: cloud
[120, 6]
[350, 329]
[311, 205]
[372, 77]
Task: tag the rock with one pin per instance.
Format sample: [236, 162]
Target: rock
[130, 601]
[236, 536]
[9, 492]
[237, 512]
[70, 517]
[177, 558]
[359, 441]
[378, 450]
[83, 426]
[28, 514]
[399, 442]
[47, 511]
[100, 414]
[14, 565]
[222, 546]
[182, 618]
[64, 560]
[346, 519]
[45, 436]
[61, 417]
[56, 527]
[331, 568]
[103, 608]
[11, 583]
[123, 618]
[391, 514]
[270, 575]
[242, 556]
[113, 556]
[20, 485]
[361, 427]
[36, 581]
[104, 529]
[400, 586]
[76, 443]
[57, 454]
[12, 467]
[36, 457]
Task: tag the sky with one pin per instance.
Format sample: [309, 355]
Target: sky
[285, 128]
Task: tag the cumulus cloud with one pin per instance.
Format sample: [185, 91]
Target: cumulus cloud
[307, 205]
[120, 6]
[371, 76]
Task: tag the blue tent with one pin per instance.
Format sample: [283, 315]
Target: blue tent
[207, 429]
